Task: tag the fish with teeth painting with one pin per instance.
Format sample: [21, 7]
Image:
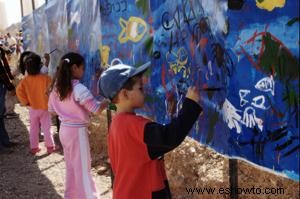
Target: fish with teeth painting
[266, 84]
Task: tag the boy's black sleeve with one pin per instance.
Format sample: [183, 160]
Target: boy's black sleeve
[161, 139]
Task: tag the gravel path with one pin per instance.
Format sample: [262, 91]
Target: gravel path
[23, 175]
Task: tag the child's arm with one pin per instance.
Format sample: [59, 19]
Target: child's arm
[47, 59]
[161, 139]
[87, 100]
[103, 105]
[50, 106]
[21, 94]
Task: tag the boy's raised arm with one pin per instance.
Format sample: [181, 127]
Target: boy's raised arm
[161, 139]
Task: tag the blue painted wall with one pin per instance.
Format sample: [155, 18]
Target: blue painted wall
[244, 59]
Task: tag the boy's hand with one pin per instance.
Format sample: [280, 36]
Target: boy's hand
[47, 56]
[47, 59]
[104, 104]
[193, 94]
[171, 103]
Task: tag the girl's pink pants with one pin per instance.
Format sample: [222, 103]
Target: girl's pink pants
[40, 119]
[79, 183]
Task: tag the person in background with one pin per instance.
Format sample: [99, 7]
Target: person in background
[5, 85]
[19, 42]
[43, 70]
[21, 65]
[11, 42]
[73, 102]
[46, 61]
[32, 92]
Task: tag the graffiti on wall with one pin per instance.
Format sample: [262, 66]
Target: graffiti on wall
[57, 26]
[244, 59]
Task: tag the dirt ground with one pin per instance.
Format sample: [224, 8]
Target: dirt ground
[23, 175]
[190, 166]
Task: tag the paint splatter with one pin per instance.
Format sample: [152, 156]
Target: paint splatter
[270, 4]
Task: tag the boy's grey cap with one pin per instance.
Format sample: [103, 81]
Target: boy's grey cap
[113, 79]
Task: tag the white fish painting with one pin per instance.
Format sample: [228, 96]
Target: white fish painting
[266, 84]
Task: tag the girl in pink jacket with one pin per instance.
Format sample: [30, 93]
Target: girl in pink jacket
[73, 102]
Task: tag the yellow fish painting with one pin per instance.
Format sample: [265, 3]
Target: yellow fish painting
[270, 4]
[133, 29]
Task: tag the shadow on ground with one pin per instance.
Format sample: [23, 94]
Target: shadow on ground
[23, 175]
[20, 173]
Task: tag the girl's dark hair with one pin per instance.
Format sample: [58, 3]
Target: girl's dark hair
[33, 63]
[63, 80]
[22, 67]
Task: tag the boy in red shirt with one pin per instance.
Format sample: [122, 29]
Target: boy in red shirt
[136, 144]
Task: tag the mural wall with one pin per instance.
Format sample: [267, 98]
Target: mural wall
[242, 55]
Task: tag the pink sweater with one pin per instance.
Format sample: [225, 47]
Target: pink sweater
[74, 110]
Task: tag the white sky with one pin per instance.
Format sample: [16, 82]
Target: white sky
[13, 9]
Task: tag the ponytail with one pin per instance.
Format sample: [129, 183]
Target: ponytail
[63, 77]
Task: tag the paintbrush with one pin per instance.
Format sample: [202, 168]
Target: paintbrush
[54, 50]
[212, 89]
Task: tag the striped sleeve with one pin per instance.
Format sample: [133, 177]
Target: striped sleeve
[85, 98]
[50, 102]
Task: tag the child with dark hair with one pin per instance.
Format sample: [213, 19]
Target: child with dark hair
[31, 92]
[73, 102]
[136, 144]
[44, 64]
[21, 65]
[43, 70]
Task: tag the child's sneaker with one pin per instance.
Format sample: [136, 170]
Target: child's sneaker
[52, 149]
[33, 151]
